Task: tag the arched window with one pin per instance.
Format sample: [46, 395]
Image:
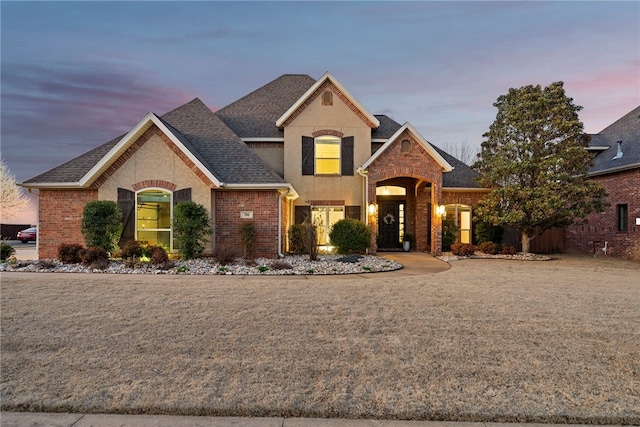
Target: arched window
[153, 217]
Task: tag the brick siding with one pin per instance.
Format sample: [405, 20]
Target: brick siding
[60, 218]
[263, 204]
[622, 188]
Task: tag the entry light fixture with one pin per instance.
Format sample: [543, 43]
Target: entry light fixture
[440, 210]
[372, 208]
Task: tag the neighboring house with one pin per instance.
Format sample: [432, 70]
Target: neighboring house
[616, 166]
[292, 149]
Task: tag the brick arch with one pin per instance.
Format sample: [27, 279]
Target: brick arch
[156, 183]
[327, 132]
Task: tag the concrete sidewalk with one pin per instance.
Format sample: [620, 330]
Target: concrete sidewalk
[33, 419]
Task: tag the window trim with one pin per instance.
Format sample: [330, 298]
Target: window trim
[334, 139]
[622, 215]
[326, 225]
[170, 201]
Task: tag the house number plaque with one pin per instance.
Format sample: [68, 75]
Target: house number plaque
[246, 214]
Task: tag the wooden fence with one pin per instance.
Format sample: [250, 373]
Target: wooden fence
[551, 241]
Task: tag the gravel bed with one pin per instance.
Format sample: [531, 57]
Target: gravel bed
[449, 256]
[290, 265]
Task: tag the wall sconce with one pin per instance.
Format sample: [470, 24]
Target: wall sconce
[372, 208]
[440, 210]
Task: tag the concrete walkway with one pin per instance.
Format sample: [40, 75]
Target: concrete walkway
[32, 419]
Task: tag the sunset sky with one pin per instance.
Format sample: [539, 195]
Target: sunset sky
[76, 74]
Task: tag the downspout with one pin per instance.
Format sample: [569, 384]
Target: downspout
[365, 174]
[282, 195]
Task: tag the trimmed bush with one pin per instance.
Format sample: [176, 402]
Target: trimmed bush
[350, 236]
[191, 228]
[508, 250]
[159, 257]
[487, 232]
[224, 256]
[70, 253]
[248, 235]
[297, 234]
[449, 233]
[95, 257]
[463, 249]
[102, 224]
[6, 250]
[488, 248]
[131, 249]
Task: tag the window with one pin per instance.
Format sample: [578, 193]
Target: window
[461, 215]
[623, 217]
[405, 146]
[324, 217]
[327, 149]
[153, 218]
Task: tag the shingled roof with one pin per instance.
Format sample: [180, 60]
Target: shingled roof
[627, 130]
[215, 139]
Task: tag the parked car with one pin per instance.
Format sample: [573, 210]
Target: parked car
[28, 235]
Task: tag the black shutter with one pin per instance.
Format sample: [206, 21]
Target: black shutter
[308, 155]
[302, 213]
[347, 155]
[183, 195]
[352, 212]
[127, 204]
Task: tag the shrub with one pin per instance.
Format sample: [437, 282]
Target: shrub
[95, 257]
[487, 232]
[6, 250]
[280, 265]
[131, 249]
[311, 239]
[488, 248]
[159, 257]
[224, 256]
[296, 239]
[102, 224]
[191, 228]
[463, 249]
[70, 253]
[248, 235]
[449, 233]
[508, 250]
[350, 236]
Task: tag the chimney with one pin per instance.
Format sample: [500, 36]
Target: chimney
[619, 153]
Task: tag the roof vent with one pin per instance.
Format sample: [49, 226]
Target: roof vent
[619, 153]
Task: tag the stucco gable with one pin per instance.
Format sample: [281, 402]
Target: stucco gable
[327, 81]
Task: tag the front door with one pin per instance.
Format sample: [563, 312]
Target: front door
[389, 224]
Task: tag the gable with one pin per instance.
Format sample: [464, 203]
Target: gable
[328, 83]
[627, 130]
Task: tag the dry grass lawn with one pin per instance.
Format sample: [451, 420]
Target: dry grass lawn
[487, 340]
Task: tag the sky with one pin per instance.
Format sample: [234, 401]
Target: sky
[77, 74]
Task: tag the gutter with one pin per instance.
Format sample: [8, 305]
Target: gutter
[612, 170]
[280, 197]
[365, 174]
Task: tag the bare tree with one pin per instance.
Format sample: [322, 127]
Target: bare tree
[462, 151]
[12, 199]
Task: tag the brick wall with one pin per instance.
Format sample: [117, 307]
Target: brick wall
[60, 218]
[420, 166]
[622, 188]
[263, 204]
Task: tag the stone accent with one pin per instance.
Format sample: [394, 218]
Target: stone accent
[264, 208]
[154, 183]
[331, 132]
[622, 188]
[60, 218]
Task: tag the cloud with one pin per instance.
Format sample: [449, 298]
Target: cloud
[64, 111]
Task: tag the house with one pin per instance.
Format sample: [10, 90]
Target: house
[294, 148]
[616, 166]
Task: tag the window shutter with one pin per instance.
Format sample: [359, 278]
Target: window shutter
[183, 195]
[308, 155]
[127, 204]
[353, 212]
[302, 213]
[347, 155]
